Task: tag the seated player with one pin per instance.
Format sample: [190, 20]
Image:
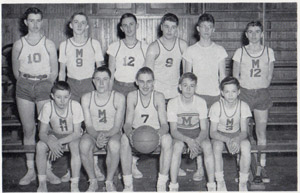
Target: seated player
[60, 126]
[104, 112]
[187, 114]
[146, 107]
[229, 125]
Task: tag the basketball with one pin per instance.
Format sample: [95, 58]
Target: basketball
[145, 139]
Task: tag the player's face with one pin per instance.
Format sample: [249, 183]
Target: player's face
[188, 87]
[230, 93]
[101, 81]
[206, 29]
[145, 83]
[61, 98]
[254, 34]
[79, 24]
[169, 29]
[34, 22]
[129, 26]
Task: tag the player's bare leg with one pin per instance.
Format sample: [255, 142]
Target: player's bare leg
[126, 162]
[218, 147]
[209, 162]
[75, 164]
[41, 163]
[175, 164]
[245, 162]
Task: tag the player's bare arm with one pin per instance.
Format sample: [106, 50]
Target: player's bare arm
[131, 102]
[99, 64]
[119, 103]
[215, 135]
[188, 66]
[204, 131]
[85, 103]
[270, 75]
[15, 54]
[162, 114]
[73, 136]
[236, 70]
[112, 67]
[62, 72]
[176, 134]
[183, 46]
[151, 55]
[53, 60]
[222, 69]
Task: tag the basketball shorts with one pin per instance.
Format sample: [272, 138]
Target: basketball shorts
[33, 90]
[210, 100]
[169, 91]
[123, 87]
[96, 148]
[192, 133]
[80, 87]
[259, 99]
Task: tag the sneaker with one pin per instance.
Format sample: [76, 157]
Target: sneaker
[110, 187]
[199, 174]
[42, 187]
[66, 177]
[181, 172]
[161, 187]
[74, 187]
[136, 173]
[52, 178]
[173, 187]
[99, 175]
[221, 186]
[264, 175]
[128, 188]
[243, 187]
[29, 177]
[93, 187]
[211, 187]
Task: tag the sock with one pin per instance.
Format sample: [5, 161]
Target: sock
[211, 185]
[30, 164]
[75, 180]
[244, 177]
[162, 179]
[127, 180]
[263, 162]
[174, 185]
[95, 160]
[219, 176]
[42, 178]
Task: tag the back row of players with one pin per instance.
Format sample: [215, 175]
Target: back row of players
[35, 67]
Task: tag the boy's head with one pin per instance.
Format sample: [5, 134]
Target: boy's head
[101, 79]
[32, 10]
[188, 84]
[33, 19]
[145, 80]
[128, 24]
[230, 88]
[79, 22]
[206, 25]
[128, 15]
[61, 94]
[254, 24]
[254, 32]
[168, 25]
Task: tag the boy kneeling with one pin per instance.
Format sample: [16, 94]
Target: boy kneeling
[60, 125]
[229, 122]
[187, 113]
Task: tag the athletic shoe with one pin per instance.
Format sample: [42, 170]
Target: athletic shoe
[221, 186]
[199, 174]
[66, 177]
[51, 177]
[181, 172]
[264, 175]
[136, 173]
[243, 187]
[128, 188]
[93, 187]
[161, 187]
[237, 178]
[42, 187]
[110, 187]
[74, 187]
[99, 175]
[29, 177]
[211, 187]
[173, 187]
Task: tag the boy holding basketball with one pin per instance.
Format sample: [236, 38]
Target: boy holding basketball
[229, 123]
[187, 114]
[207, 60]
[60, 126]
[146, 107]
[104, 112]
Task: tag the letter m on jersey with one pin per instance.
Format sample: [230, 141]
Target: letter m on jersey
[79, 53]
[255, 63]
[229, 124]
[63, 125]
[187, 121]
[102, 116]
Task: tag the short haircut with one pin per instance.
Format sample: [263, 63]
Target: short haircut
[229, 80]
[79, 13]
[253, 24]
[206, 17]
[188, 75]
[170, 17]
[144, 70]
[60, 85]
[32, 10]
[126, 15]
[102, 69]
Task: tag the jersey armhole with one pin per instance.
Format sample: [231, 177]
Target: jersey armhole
[114, 95]
[50, 110]
[155, 106]
[45, 44]
[242, 50]
[71, 103]
[118, 48]
[142, 49]
[158, 49]
[91, 99]
[66, 47]
[268, 54]
[179, 46]
[137, 99]
[21, 47]
[91, 39]
[220, 108]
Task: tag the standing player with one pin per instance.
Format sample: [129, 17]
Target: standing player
[34, 61]
[126, 57]
[253, 67]
[207, 60]
[104, 112]
[229, 123]
[187, 114]
[164, 57]
[60, 125]
[146, 107]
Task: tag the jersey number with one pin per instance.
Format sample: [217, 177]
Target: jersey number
[169, 62]
[102, 116]
[229, 124]
[79, 55]
[36, 57]
[145, 116]
[130, 61]
[63, 125]
[255, 72]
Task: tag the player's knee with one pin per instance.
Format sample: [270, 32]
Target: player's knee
[41, 147]
[124, 141]
[74, 145]
[206, 146]
[245, 147]
[113, 145]
[29, 133]
[218, 146]
[85, 145]
[166, 141]
[178, 147]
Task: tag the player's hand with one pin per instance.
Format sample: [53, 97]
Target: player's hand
[101, 140]
[56, 148]
[130, 137]
[194, 148]
[234, 145]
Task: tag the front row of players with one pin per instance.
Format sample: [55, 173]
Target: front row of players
[103, 112]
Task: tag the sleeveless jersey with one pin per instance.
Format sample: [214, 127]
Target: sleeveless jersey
[254, 70]
[103, 117]
[145, 115]
[167, 68]
[80, 59]
[128, 60]
[34, 59]
[229, 123]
